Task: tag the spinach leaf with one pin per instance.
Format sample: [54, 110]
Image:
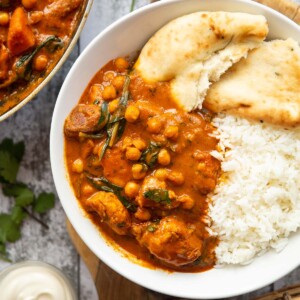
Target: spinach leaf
[158, 196]
[24, 64]
[149, 156]
[117, 122]
[103, 184]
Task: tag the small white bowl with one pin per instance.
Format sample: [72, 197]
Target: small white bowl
[34, 272]
[122, 38]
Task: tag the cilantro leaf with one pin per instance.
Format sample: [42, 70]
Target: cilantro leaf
[44, 202]
[9, 230]
[149, 156]
[18, 215]
[23, 195]
[158, 196]
[9, 167]
[17, 150]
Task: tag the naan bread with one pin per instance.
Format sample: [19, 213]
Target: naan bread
[194, 50]
[265, 86]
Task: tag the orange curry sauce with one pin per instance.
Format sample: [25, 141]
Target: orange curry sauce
[25, 58]
[169, 235]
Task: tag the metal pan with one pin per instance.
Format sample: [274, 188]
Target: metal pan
[81, 21]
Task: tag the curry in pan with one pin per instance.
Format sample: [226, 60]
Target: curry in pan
[33, 37]
[141, 168]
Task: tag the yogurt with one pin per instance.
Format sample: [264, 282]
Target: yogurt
[34, 281]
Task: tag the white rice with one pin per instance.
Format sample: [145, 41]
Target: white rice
[256, 204]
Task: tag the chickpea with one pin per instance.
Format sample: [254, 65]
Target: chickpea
[139, 144]
[138, 171]
[109, 93]
[40, 62]
[132, 113]
[4, 18]
[36, 17]
[154, 125]
[131, 189]
[164, 157]
[143, 214]
[176, 177]
[121, 63]
[186, 201]
[118, 82]
[77, 165]
[28, 4]
[87, 189]
[127, 142]
[161, 174]
[171, 132]
[113, 105]
[133, 153]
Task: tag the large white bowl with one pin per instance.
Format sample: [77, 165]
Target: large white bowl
[121, 38]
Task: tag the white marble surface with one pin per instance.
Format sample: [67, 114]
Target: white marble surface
[32, 124]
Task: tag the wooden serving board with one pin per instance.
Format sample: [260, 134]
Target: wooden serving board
[112, 286]
[109, 284]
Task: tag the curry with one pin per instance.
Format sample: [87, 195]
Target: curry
[141, 168]
[33, 36]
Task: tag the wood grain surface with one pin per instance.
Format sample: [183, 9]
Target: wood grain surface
[287, 7]
[32, 124]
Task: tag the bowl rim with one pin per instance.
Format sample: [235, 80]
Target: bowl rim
[93, 248]
[61, 61]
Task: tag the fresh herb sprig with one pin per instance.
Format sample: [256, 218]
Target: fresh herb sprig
[25, 203]
[158, 195]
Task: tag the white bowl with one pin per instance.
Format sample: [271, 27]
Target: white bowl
[121, 38]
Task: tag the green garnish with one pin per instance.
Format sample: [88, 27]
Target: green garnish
[25, 203]
[117, 122]
[132, 6]
[103, 184]
[158, 196]
[151, 228]
[24, 64]
[149, 156]
[94, 136]
[104, 115]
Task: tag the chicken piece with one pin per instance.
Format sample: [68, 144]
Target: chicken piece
[61, 8]
[171, 240]
[207, 171]
[154, 194]
[4, 59]
[111, 211]
[116, 167]
[20, 36]
[83, 118]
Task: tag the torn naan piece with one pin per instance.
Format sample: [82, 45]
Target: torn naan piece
[264, 86]
[194, 50]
